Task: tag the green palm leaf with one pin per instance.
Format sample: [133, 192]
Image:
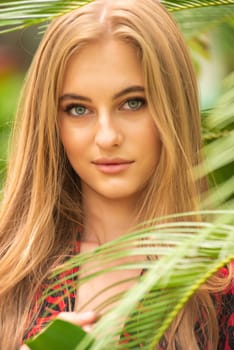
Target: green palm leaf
[191, 4]
[218, 134]
[222, 116]
[60, 335]
[189, 254]
[202, 19]
[23, 13]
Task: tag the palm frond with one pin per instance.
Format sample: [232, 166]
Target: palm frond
[222, 195]
[23, 13]
[218, 134]
[189, 254]
[218, 154]
[202, 19]
[222, 116]
[191, 4]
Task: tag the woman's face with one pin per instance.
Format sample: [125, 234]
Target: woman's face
[107, 131]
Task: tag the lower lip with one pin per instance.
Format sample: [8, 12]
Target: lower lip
[112, 168]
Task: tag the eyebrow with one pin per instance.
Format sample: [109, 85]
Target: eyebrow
[130, 89]
[134, 88]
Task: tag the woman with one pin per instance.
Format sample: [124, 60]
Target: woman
[107, 134]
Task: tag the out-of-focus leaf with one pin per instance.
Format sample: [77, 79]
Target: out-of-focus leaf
[59, 335]
[218, 135]
[189, 254]
[219, 195]
[9, 92]
[191, 4]
[23, 13]
[222, 116]
[191, 15]
[199, 20]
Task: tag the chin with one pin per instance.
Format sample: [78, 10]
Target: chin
[119, 194]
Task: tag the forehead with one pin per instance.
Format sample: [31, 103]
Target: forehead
[111, 63]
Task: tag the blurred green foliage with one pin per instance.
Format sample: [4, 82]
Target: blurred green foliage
[10, 85]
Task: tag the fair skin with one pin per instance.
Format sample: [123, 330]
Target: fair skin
[113, 144]
[108, 120]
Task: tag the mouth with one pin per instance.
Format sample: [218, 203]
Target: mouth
[112, 166]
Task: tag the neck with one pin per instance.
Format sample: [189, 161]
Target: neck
[107, 219]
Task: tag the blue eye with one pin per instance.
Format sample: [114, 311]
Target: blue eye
[76, 110]
[134, 103]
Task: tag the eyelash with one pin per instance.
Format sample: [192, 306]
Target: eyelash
[140, 100]
[69, 108]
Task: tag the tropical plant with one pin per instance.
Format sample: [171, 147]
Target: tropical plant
[13, 84]
[189, 253]
[188, 256]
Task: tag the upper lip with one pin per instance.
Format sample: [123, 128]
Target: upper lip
[112, 161]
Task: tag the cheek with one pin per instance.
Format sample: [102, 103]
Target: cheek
[72, 146]
[72, 141]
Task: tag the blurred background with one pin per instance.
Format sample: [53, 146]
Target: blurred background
[212, 52]
[16, 53]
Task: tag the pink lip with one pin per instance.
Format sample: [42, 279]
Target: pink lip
[112, 165]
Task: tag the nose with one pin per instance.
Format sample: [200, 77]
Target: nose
[108, 132]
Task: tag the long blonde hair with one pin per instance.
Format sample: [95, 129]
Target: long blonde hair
[42, 201]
